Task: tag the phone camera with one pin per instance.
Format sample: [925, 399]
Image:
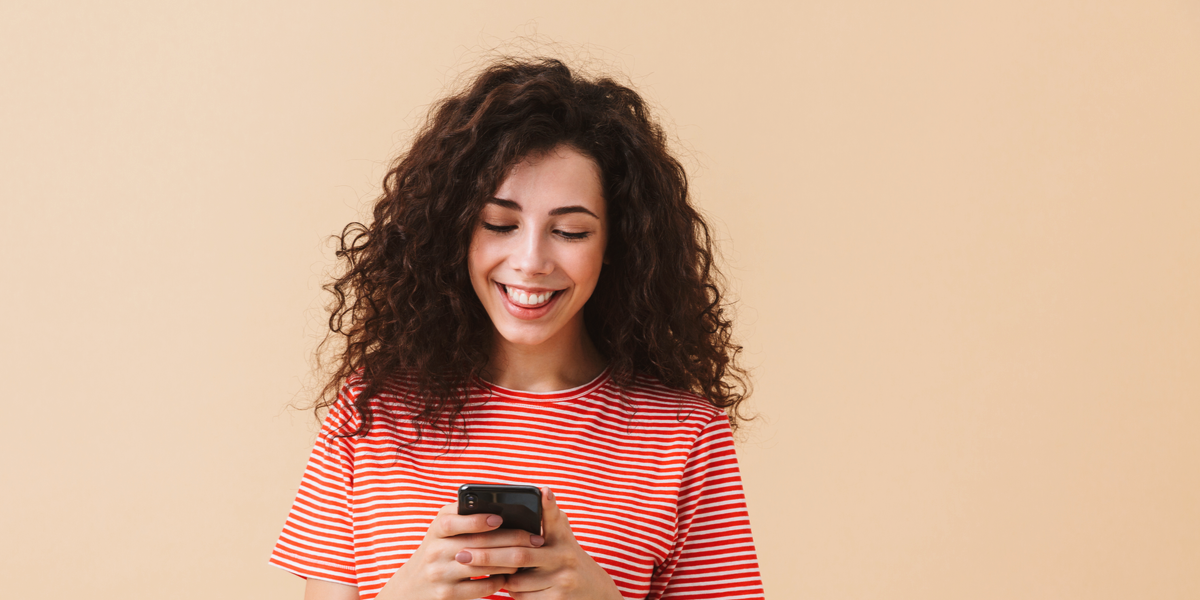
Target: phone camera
[472, 499]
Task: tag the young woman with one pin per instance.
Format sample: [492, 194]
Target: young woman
[533, 302]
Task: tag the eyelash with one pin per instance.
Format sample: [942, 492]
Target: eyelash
[508, 228]
[498, 228]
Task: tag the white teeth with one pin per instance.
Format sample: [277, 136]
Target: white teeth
[527, 299]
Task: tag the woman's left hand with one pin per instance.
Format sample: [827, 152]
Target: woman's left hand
[558, 570]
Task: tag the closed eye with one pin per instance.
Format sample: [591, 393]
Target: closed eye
[573, 235]
[498, 228]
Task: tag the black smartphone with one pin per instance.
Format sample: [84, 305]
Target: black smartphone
[519, 505]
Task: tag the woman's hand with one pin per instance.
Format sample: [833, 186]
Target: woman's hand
[558, 570]
[442, 567]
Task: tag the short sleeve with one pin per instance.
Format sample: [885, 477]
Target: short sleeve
[713, 555]
[317, 539]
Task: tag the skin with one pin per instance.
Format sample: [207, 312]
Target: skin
[546, 231]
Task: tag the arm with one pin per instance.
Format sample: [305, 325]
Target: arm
[319, 589]
[317, 541]
[438, 569]
[713, 556]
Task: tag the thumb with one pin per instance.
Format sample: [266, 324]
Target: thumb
[554, 520]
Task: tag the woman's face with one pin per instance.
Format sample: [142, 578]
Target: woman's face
[537, 252]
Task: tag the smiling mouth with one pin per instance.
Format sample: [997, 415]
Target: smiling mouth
[526, 299]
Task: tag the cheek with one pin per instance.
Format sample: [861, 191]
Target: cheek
[586, 267]
[477, 268]
[477, 257]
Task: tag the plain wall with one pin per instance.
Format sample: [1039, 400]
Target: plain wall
[964, 239]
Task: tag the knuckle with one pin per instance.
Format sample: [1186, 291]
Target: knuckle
[440, 527]
[566, 588]
[522, 557]
[440, 573]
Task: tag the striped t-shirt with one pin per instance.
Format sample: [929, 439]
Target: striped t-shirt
[646, 475]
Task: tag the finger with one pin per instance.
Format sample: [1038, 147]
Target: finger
[528, 581]
[554, 520]
[512, 557]
[451, 525]
[478, 588]
[459, 571]
[500, 538]
[463, 572]
[549, 505]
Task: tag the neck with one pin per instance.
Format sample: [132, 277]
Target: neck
[565, 361]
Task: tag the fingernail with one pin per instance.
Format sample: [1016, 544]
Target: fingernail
[494, 520]
[537, 541]
[463, 557]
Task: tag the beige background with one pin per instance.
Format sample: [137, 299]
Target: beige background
[966, 243]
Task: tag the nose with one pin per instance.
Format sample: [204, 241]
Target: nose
[532, 256]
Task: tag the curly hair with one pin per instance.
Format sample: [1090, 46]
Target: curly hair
[404, 306]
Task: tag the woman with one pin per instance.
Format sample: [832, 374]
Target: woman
[533, 302]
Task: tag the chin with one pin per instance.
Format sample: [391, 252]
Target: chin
[524, 338]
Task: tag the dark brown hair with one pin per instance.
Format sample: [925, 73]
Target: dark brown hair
[404, 306]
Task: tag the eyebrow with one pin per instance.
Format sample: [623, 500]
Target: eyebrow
[562, 210]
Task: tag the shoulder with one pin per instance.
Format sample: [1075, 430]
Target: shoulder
[649, 395]
[389, 402]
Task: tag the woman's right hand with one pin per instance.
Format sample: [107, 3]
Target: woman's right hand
[435, 573]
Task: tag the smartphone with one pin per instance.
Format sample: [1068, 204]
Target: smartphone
[519, 505]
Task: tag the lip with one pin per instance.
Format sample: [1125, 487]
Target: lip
[520, 312]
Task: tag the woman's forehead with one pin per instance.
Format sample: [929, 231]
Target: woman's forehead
[561, 176]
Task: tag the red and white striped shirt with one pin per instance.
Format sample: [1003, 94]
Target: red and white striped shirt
[647, 476]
